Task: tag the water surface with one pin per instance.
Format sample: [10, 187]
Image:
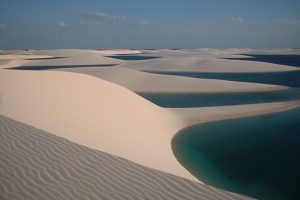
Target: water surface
[291, 60]
[290, 79]
[133, 57]
[220, 99]
[257, 156]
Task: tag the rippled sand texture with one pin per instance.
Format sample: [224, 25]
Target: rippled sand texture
[38, 165]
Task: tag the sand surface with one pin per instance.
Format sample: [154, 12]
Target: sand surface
[37, 165]
[143, 82]
[203, 64]
[99, 114]
[192, 116]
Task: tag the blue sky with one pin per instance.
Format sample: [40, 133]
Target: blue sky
[49, 24]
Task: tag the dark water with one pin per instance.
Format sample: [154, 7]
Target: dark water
[291, 60]
[222, 99]
[290, 79]
[52, 58]
[257, 156]
[133, 57]
[58, 67]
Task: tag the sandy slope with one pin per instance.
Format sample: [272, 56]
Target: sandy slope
[42, 166]
[94, 113]
[98, 114]
[146, 82]
[192, 116]
[108, 117]
[204, 64]
[133, 79]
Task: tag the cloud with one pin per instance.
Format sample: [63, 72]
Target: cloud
[2, 26]
[290, 22]
[237, 19]
[97, 17]
[62, 24]
[144, 23]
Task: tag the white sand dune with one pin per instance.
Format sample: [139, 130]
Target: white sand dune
[192, 116]
[39, 166]
[220, 53]
[80, 60]
[92, 112]
[72, 57]
[143, 82]
[57, 58]
[203, 64]
[100, 115]
[108, 117]
[17, 56]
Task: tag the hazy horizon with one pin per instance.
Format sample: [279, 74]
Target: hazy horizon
[144, 24]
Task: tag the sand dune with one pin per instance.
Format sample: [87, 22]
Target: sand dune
[192, 116]
[71, 57]
[93, 112]
[220, 53]
[204, 64]
[117, 51]
[97, 114]
[143, 82]
[80, 60]
[21, 56]
[38, 165]
[106, 117]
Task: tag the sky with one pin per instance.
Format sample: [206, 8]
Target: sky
[142, 24]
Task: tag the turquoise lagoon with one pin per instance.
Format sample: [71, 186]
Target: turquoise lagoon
[256, 156]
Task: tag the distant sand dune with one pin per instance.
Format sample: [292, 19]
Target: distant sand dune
[37, 165]
[138, 81]
[203, 64]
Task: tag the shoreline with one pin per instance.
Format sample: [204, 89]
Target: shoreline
[192, 116]
[215, 72]
[102, 114]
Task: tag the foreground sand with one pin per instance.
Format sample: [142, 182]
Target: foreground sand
[108, 117]
[37, 165]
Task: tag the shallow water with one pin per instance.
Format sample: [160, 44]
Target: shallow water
[290, 79]
[221, 99]
[51, 58]
[291, 60]
[133, 57]
[257, 156]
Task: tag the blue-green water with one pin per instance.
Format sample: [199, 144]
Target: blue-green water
[221, 99]
[133, 57]
[290, 79]
[51, 58]
[291, 60]
[257, 156]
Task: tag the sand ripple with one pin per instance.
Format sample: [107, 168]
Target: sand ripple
[38, 165]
